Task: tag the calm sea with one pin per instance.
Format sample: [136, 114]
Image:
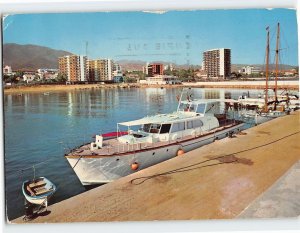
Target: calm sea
[40, 128]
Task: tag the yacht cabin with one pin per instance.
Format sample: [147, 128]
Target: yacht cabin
[191, 119]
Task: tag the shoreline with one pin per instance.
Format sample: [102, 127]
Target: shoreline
[291, 85]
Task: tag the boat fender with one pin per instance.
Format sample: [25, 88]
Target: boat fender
[180, 152]
[134, 166]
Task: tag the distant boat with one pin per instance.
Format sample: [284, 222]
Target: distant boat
[46, 93]
[38, 191]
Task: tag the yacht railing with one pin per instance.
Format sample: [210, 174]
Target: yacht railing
[123, 148]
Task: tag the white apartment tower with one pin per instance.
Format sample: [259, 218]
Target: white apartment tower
[217, 63]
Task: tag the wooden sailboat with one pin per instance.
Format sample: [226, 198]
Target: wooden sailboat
[270, 107]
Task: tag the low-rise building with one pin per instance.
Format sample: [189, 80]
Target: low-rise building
[289, 73]
[28, 77]
[7, 70]
[47, 74]
[201, 74]
[50, 76]
[161, 80]
[118, 79]
[248, 70]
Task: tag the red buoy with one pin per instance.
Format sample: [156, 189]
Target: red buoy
[134, 166]
[180, 152]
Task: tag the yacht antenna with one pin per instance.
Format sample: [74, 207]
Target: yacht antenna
[180, 100]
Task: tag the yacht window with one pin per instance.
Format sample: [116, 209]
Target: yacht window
[193, 107]
[189, 124]
[146, 128]
[209, 107]
[165, 128]
[184, 107]
[197, 123]
[194, 124]
[181, 107]
[155, 128]
[177, 127]
[200, 108]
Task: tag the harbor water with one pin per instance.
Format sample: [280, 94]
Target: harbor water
[40, 128]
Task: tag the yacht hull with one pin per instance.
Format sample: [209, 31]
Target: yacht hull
[95, 169]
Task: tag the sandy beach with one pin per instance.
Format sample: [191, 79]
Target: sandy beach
[50, 88]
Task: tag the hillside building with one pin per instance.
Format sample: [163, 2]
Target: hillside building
[217, 63]
[74, 67]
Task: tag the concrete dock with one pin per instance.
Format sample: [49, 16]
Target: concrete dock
[217, 181]
[280, 200]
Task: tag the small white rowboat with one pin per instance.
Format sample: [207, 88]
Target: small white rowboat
[38, 191]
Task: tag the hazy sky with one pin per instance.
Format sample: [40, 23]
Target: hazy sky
[175, 36]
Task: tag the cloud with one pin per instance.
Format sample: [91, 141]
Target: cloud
[155, 12]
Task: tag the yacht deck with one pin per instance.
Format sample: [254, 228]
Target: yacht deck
[114, 147]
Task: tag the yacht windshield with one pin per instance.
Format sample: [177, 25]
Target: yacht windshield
[146, 128]
[200, 108]
[193, 107]
[182, 107]
[187, 107]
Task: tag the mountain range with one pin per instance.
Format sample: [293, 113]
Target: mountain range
[33, 57]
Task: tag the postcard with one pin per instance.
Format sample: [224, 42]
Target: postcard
[151, 115]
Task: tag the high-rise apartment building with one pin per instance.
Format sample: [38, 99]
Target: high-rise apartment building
[100, 69]
[217, 63]
[74, 67]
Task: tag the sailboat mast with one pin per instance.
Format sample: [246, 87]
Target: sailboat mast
[276, 68]
[267, 68]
